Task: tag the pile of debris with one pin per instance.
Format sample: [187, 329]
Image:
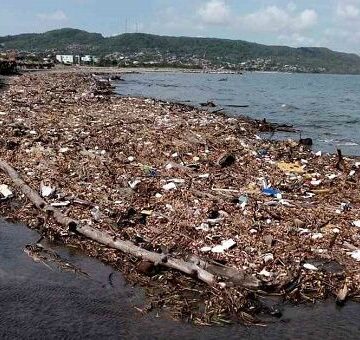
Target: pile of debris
[264, 217]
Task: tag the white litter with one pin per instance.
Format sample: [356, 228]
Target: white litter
[131, 158]
[60, 204]
[268, 257]
[352, 173]
[203, 227]
[5, 192]
[205, 249]
[169, 207]
[319, 153]
[265, 273]
[176, 180]
[317, 236]
[46, 190]
[355, 255]
[309, 195]
[315, 182]
[63, 150]
[225, 245]
[309, 266]
[169, 186]
[356, 223]
[134, 184]
[303, 231]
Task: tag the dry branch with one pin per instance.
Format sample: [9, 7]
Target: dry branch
[191, 268]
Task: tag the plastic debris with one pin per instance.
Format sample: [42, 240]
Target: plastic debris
[309, 266]
[271, 192]
[316, 182]
[60, 204]
[5, 192]
[268, 257]
[203, 227]
[356, 255]
[169, 186]
[317, 236]
[134, 184]
[64, 150]
[265, 273]
[243, 201]
[225, 245]
[96, 214]
[46, 190]
[97, 132]
[356, 223]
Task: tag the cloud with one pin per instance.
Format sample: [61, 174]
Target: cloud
[58, 15]
[296, 39]
[347, 11]
[278, 20]
[214, 12]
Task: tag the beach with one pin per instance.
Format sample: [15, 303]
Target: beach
[261, 217]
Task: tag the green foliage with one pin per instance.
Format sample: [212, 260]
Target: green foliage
[69, 40]
[7, 67]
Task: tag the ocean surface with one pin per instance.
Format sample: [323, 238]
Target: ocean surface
[42, 302]
[325, 108]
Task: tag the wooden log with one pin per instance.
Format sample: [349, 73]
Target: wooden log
[192, 268]
[104, 238]
[158, 259]
[233, 275]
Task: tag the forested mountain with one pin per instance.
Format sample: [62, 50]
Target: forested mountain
[69, 40]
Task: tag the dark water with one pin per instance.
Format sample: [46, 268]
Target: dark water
[324, 107]
[39, 303]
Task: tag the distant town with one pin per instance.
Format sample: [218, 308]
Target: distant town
[31, 60]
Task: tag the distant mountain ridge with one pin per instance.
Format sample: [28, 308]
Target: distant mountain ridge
[68, 40]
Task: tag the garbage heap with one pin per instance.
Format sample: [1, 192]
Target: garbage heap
[186, 182]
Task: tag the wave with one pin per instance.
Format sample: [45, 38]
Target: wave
[338, 142]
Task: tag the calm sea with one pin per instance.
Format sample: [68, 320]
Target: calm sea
[324, 107]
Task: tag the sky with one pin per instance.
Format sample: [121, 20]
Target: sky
[328, 23]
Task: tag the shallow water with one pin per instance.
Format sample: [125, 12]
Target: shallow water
[39, 303]
[324, 107]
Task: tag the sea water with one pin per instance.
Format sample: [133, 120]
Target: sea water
[323, 107]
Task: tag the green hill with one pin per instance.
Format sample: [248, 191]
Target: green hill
[217, 51]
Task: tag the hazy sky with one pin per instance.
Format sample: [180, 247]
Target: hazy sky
[330, 23]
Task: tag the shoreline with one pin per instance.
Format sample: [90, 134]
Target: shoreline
[181, 181]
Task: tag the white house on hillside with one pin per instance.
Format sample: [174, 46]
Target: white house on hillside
[65, 58]
[69, 59]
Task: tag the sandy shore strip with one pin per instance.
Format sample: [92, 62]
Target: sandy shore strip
[187, 184]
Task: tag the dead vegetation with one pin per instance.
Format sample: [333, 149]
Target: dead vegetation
[185, 184]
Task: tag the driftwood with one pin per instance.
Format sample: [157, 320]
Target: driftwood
[340, 165]
[233, 275]
[198, 269]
